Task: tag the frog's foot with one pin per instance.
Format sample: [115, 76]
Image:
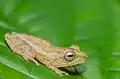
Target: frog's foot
[36, 62]
[61, 73]
[31, 59]
[58, 71]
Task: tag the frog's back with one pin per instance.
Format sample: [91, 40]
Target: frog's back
[24, 44]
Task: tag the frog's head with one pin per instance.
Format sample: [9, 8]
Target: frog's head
[77, 59]
[74, 55]
[72, 58]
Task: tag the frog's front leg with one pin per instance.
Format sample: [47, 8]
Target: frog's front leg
[58, 71]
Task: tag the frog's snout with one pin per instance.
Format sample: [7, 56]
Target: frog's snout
[85, 56]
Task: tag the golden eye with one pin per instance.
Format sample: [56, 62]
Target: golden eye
[69, 56]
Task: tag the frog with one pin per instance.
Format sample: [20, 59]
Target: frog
[38, 50]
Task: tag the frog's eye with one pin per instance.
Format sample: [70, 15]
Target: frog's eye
[69, 56]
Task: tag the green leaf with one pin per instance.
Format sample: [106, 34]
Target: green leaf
[91, 24]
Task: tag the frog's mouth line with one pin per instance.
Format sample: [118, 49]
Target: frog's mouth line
[74, 70]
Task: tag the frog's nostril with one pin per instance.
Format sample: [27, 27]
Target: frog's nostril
[85, 57]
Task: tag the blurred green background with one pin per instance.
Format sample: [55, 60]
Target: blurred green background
[94, 25]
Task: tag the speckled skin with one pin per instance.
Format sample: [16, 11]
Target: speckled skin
[31, 48]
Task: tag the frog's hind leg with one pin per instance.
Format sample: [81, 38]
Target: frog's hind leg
[31, 58]
[30, 54]
[21, 47]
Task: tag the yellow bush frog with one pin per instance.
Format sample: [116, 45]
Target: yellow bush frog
[36, 49]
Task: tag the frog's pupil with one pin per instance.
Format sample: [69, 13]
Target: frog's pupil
[70, 55]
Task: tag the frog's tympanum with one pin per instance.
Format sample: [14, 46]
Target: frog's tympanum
[59, 59]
